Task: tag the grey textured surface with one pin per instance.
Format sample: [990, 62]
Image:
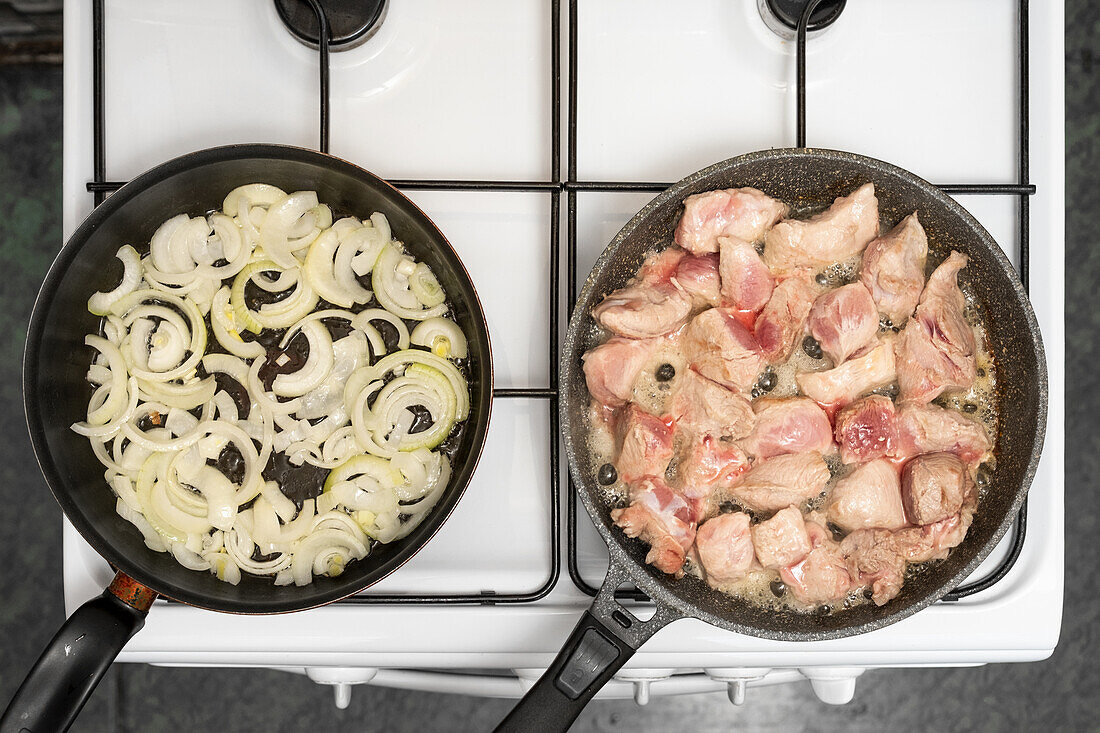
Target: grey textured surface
[1058, 694]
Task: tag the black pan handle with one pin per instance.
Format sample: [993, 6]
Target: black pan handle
[72, 664]
[605, 638]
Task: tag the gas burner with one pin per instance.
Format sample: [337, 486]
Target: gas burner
[351, 22]
[781, 16]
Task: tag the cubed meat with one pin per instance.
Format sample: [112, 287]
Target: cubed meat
[934, 429]
[780, 482]
[934, 486]
[866, 429]
[893, 269]
[781, 541]
[936, 350]
[644, 311]
[698, 276]
[611, 368]
[844, 321]
[788, 425]
[834, 235]
[703, 407]
[659, 267]
[720, 348]
[645, 445]
[724, 545]
[877, 558]
[840, 385]
[746, 281]
[663, 519]
[707, 462]
[744, 213]
[782, 323]
[875, 561]
[822, 576]
[867, 498]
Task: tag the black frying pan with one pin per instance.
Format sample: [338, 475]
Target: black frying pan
[807, 179]
[56, 395]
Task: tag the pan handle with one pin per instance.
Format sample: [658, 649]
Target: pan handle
[607, 636]
[72, 664]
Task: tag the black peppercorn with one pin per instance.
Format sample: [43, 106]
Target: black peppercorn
[778, 588]
[768, 381]
[811, 347]
[821, 279]
[665, 372]
[607, 474]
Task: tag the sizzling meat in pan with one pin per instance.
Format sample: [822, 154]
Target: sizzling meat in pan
[776, 408]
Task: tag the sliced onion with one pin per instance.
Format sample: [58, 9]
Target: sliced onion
[100, 303]
[315, 370]
[281, 234]
[442, 337]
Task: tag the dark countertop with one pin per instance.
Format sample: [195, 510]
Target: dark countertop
[1057, 694]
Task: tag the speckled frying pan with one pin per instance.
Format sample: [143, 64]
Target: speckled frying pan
[808, 180]
[56, 395]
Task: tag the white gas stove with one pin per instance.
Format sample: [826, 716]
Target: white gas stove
[464, 92]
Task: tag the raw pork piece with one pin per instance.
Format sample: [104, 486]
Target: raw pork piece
[893, 269]
[822, 576]
[698, 276]
[780, 482]
[789, 425]
[646, 445]
[866, 429]
[875, 561]
[844, 321]
[708, 462]
[724, 544]
[659, 267]
[782, 323]
[719, 347]
[934, 429]
[877, 558]
[746, 281]
[834, 235]
[936, 350]
[703, 407]
[611, 368]
[867, 498]
[662, 518]
[744, 213]
[840, 385]
[644, 311]
[781, 541]
[934, 486]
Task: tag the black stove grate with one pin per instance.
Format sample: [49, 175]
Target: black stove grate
[570, 186]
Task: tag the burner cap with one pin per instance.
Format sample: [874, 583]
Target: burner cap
[351, 22]
[787, 13]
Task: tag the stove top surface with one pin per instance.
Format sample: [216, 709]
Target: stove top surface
[441, 92]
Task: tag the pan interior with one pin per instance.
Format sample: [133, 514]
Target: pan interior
[809, 180]
[56, 359]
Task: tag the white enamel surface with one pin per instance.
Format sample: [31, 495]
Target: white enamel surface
[889, 79]
[659, 97]
[418, 101]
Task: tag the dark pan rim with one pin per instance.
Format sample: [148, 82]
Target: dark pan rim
[56, 273]
[615, 541]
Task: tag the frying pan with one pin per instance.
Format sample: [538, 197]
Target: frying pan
[56, 395]
[809, 180]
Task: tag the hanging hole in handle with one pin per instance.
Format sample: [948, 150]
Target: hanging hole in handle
[622, 619]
